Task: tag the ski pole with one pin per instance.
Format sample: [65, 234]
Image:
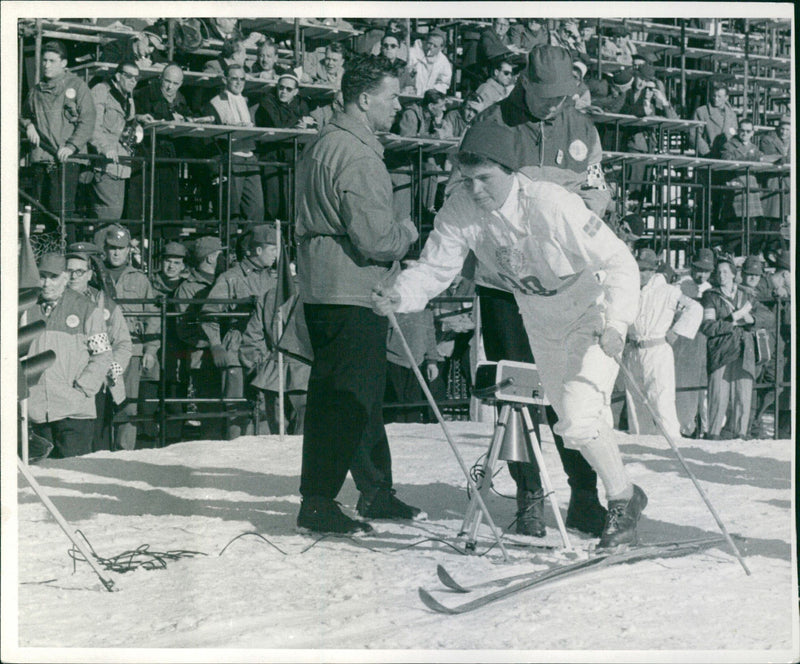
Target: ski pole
[432, 402]
[634, 386]
[62, 522]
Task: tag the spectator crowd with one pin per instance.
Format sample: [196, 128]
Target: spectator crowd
[705, 335]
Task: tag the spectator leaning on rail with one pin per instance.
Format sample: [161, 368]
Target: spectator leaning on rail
[252, 277]
[544, 245]
[160, 99]
[81, 265]
[123, 281]
[61, 404]
[347, 242]
[230, 107]
[116, 112]
[58, 117]
[665, 313]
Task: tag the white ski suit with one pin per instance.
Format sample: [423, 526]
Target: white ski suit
[649, 357]
[571, 277]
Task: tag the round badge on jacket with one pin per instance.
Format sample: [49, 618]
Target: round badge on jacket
[106, 314]
[578, 150]
[73, 321]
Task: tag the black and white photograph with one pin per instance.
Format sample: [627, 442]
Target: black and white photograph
[390, 332]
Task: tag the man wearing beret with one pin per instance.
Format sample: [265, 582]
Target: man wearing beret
[123, 281]
[58, 118]
[690, 354]
[81, 260]
[538, 241]
[665, 314]
[556, 143]
[61, 404]
[197, 366]
[252, 277]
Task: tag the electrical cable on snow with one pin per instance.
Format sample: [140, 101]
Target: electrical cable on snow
[127, 561]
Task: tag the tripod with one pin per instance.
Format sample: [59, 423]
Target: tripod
[516, 384]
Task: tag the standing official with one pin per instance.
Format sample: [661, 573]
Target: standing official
[347, 243]
[80, 265]
[61, 404]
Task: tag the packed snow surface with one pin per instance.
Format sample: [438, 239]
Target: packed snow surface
[262, 591]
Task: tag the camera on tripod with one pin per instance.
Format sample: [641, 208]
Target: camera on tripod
[509, 382]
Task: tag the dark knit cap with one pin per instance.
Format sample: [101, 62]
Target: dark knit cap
[495, 142]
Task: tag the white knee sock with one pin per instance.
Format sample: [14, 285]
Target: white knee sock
[603, 455]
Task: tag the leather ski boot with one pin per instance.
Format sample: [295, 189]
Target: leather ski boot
[623, 516]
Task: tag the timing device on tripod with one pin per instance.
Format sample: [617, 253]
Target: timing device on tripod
[514, 385]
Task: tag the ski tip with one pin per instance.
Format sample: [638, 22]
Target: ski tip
[448, 580]
[431, 603]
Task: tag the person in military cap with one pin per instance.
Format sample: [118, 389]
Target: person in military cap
[171, 273]
[198, 375]
[61, 405]
[123, 281]
[664, 314]
[554, 143]
[690, 354]
[251, 277]
[82, 259]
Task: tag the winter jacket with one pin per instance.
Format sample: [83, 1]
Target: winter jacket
[490, 92]
[145, 330]
[63, 112]
[663, 307]
[720, 125]
[347, 239]
[243, 280]
[747, 201]
[120, 339]
[425, 75]
[196, 285]
[542, 242]
[258, 350]
[773, 203]
[565, 149]
[114, 111]
[727, 341]
[77, 333]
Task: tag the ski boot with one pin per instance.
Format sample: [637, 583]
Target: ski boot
[623, 516]
[530, 513]
[585, 513]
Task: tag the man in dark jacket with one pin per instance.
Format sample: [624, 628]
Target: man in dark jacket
[281, 107]
[58, 118]
[348, 241]
[160, 99]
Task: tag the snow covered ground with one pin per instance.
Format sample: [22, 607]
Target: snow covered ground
[274, 594]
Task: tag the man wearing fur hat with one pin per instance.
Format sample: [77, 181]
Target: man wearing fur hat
[539, 242]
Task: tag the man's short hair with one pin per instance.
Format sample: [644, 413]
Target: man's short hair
[432, 97]
[230, 46]
[55, 47]
[171, 65]
[268, 42]
[126, 63]
[365, 74]
[336, 47]
[717, 84]
[232, 66]
[437, 33]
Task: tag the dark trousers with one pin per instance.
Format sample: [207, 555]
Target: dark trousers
[344, 410]
[402, 387]
[47, 188]
[70, 437]
[104, 423]
[505, 338]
